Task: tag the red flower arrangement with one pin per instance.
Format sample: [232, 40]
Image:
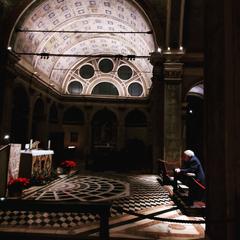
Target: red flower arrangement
[18, 184]
[68, 164]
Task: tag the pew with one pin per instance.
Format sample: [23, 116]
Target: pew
[167, 179]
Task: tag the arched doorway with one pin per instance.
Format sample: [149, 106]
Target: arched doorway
[74, 134]
[136, 149]
[53, 114]
[104, 140]
[194, 121]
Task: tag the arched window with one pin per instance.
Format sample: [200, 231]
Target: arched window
[38, 110]
[105, 88]
[53, 114]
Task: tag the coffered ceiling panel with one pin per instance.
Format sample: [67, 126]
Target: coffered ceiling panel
[82, 29]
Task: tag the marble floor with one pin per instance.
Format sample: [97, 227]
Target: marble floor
[141, 209]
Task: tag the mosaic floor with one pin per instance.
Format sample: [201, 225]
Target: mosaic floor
[130, 196]
[82, 188]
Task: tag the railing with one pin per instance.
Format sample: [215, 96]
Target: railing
[101, 208]
[2, 147]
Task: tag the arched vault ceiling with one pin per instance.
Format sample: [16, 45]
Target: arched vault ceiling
[82, 15]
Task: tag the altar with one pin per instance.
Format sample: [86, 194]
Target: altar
[35, 163]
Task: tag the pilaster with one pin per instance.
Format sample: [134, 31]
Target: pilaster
[121, 128]
[157, 108]
[173, 72]
[7, 107]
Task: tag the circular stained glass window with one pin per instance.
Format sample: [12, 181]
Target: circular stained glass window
[75, 87]
[125, 72]
[135, 89]
[86, 71]
[105, 65]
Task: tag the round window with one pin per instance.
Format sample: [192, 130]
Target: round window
[125, 72]
[105, 65]
[86, 71]
[135, 89]
[75, 87]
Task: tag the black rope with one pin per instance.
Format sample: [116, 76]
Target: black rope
[143, 216]
[77, 31]
[46, 55]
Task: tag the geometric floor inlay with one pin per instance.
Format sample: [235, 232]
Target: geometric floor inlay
[147, 229]
[137, 193]
[82, 188]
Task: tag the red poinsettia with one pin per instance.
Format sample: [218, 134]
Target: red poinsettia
[17, 184]
[68, 164]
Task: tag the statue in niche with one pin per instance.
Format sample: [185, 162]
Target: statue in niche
[35, 145]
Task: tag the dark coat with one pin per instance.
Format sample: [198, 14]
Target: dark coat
[193, 165]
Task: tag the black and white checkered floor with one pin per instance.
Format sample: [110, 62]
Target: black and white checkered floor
[145, 192]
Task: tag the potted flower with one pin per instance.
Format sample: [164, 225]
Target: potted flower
[16, 186]
[68, 165]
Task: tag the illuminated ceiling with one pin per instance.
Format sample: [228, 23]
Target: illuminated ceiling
[98, 16]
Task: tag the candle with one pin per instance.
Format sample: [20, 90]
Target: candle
[49, 144]
[30, 145]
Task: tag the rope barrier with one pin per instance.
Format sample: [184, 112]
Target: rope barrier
[199, 184]
[143, 216]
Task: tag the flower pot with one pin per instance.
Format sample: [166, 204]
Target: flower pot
[14, 193]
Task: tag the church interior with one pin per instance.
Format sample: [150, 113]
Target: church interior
[98, 101]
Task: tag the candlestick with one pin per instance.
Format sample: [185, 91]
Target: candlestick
[49, 144]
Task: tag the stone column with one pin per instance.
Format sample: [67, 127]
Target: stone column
[173, 71]
[157, 108]
[222, 118]
[61, 110]
[45, 123]
[184, 116]
[7, 87]
[7, 108]
[30, 116]
[121, 128]
[88, 134]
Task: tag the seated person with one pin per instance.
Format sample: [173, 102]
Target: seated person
[192, 175]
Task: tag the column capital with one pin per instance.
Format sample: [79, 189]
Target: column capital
[174, 55]
[173, 70]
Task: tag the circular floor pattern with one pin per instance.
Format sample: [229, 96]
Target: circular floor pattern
[82, 188]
